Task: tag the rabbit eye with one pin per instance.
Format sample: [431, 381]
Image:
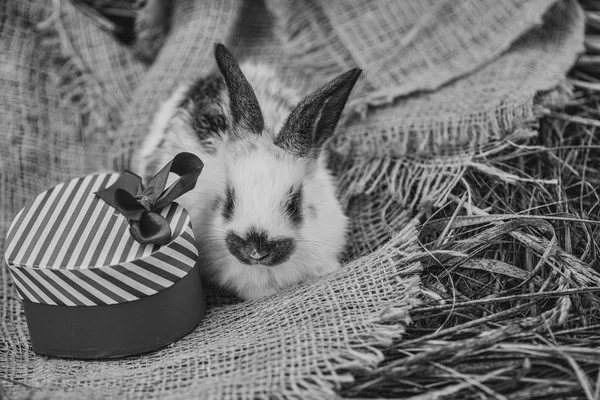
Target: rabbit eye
[293, 206]
[229, 203]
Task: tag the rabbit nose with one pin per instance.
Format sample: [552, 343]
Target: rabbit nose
[257, 254]
[257, 248]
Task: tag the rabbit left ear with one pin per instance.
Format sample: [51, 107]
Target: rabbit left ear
[313, 121]
[245, 110]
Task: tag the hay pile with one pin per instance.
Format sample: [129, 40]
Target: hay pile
[512, 273]
[515, 279]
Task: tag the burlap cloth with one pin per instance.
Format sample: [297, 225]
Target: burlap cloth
[446, 84]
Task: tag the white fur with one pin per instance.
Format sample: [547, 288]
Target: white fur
[261, 175]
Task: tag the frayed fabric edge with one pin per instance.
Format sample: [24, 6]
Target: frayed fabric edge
[359, 357]
[364, 350]
[425, 173]
[408, 182]
[76, 83]
[152, 25]
[425, 138]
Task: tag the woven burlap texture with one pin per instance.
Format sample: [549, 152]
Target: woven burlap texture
[73, 101]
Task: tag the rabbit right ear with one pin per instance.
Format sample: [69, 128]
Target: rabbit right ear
[245, 110]
[313, 121]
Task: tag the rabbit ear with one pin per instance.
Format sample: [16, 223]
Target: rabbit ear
[243, 103]
[313, 121]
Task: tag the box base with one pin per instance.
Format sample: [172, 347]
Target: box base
[118, 330]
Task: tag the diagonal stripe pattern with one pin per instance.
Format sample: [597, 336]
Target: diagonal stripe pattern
[71, 248]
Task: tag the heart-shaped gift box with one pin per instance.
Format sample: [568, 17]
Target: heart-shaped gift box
[90, 288]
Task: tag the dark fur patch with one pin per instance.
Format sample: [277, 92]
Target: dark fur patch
[229, 206]
[205, 106]
[293, 206]
[257, 248]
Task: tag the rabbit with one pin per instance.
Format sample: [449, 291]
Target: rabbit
[264, 210]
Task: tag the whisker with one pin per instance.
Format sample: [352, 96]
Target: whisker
[216, 260]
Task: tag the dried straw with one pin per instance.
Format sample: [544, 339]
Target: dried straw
[513, 271]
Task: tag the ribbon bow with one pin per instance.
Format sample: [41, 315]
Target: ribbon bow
[140, 204]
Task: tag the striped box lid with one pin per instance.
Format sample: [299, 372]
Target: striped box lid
[71, 248]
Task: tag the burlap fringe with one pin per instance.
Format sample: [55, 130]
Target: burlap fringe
[152, 24]
[78, 87]
[363, 351]
[414, 183]
[420, 139]
[408, 182]
[416, 172]
[363, 354]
